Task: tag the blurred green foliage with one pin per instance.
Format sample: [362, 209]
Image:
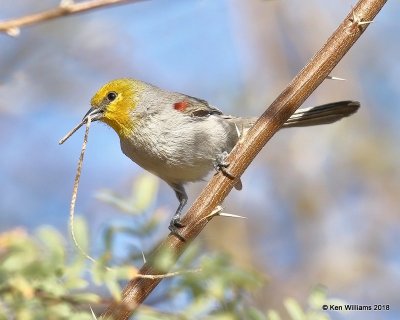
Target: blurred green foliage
[41, 277]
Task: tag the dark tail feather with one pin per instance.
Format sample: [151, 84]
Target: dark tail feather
[324, 114]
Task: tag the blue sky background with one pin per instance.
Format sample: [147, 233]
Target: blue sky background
[322, 203]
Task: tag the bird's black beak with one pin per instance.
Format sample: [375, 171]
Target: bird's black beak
[94, 114]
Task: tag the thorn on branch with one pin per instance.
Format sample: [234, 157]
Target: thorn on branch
[239, 132]
[231, 215]
[93, 314]
[358, 20]
[335, 78]
[218, 212]
[167, 275]
[215, 212]
[66, 4]
[13, 32]
[144, 258]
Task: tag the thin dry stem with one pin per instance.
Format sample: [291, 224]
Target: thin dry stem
[75, 191]
[70, 133]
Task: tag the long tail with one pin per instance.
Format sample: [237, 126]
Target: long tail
[323, 114]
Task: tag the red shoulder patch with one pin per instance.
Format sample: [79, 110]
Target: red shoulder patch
[181, 106]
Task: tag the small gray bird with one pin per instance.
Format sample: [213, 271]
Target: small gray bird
[180, 138]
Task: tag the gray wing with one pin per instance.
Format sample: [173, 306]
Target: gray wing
[201, 108]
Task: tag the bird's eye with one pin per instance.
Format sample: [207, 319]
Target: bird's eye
[111, 96]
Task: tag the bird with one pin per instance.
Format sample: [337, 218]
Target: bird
[180, 138]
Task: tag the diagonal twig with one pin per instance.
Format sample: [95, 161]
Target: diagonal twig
[66, 7]
[309, 78]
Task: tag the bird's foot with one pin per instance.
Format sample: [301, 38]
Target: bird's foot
[221, 165]
[175, 225]
[176, 222]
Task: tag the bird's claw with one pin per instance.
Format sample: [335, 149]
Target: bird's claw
[220, 164]
[176, 222]
[175, 225]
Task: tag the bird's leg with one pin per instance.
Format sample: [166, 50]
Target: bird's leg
[182, 197]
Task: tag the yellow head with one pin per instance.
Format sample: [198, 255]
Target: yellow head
[114, 102]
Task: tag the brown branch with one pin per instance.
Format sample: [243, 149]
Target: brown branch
[244, 152]
[12, 26]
